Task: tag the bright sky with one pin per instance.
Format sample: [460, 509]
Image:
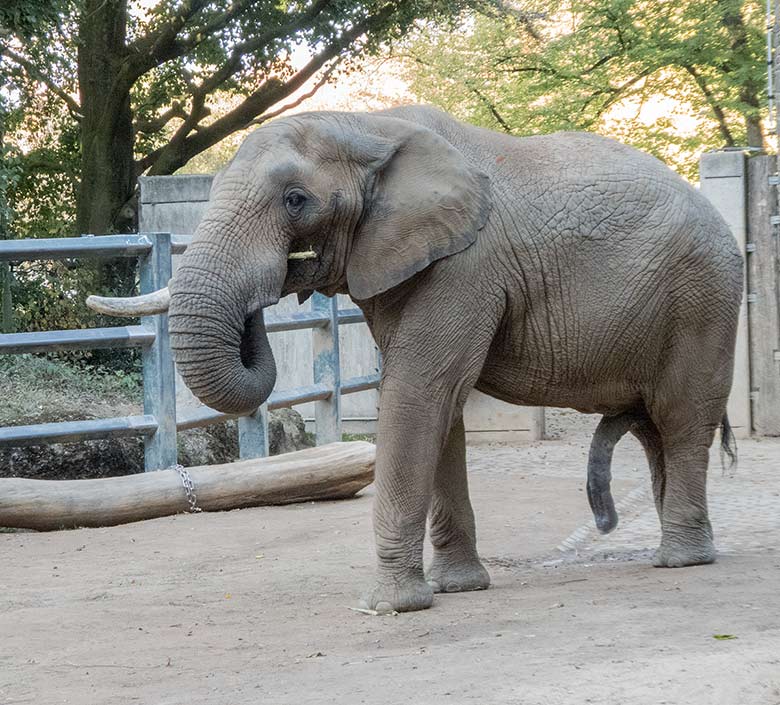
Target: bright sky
[377, 85]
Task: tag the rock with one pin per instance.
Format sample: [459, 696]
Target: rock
[287, 432]
[72, 461]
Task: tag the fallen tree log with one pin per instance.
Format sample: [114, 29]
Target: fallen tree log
[334, 471]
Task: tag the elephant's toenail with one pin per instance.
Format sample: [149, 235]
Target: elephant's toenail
[383, 607]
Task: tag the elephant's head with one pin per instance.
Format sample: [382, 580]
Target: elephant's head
[374, 199]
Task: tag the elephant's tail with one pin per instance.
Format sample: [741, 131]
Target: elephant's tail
[728, 445]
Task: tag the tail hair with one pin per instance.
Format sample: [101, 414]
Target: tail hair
[728, 445]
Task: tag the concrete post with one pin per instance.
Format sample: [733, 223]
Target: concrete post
[723, 178]
[174, 204]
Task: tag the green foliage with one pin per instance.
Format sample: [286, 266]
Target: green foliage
[674, 79]
[50, 295]
[367, 437]
[26, 18]
[10, 168]
[38, 184]
[44, 154]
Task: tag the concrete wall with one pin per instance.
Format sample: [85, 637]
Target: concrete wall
[176, 204]
[724, 182]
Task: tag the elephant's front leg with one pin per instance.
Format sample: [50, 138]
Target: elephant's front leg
[456, 566]
[413, 426]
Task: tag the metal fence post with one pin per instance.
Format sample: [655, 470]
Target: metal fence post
[253, 434]
[327, 370]
[159, 376]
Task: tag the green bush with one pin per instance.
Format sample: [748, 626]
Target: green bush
[51, 296]
[37, 200]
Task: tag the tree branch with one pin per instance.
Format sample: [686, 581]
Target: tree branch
[492, 108]
[717, 110]
[248, 47]
[295, 103]
[154, 46]
[526, 19]
[156, 124]
[167, 47]
[179, 151]
[37, 75]
[616, 93]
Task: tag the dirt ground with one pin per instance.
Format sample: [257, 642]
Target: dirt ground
[252, 606]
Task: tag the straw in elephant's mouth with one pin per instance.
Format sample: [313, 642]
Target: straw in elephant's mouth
[305, 254]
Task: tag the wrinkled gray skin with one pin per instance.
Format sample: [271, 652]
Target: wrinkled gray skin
[565, 270]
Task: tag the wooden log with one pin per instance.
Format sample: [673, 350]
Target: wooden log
[334, 471]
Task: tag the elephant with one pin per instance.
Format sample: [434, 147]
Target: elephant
[563, 270]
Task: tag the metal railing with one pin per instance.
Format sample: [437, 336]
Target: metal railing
[159, 424]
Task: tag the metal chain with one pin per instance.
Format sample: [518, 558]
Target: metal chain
[189, 488]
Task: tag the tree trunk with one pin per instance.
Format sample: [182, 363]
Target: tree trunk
[749, 90]
[107, 169]
[6, 308]
[754, 129]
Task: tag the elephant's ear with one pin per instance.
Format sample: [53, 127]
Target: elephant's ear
[425, 202]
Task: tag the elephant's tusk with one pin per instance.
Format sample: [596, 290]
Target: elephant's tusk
[306, 254]
[144, 305]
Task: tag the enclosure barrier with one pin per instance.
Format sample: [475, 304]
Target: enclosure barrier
[159, 424]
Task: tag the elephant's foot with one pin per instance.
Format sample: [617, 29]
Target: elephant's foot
[447, 574]
[408, 595]
[693, 548]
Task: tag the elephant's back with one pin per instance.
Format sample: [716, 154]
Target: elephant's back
[592, 212]
[617, 254]
[602, 254]
[591, 194]
[584, 184]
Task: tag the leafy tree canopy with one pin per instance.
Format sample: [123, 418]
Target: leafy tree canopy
[674, 78]
[136, 79]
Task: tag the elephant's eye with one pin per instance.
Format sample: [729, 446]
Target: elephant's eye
[294, 202]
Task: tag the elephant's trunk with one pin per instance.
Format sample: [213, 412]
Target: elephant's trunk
[218, 336]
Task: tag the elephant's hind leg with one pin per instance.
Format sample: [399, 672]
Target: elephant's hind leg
[686, 534]
[456, 566]
[649, 437]
[686, 412]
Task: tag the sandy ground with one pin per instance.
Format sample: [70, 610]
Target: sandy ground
[252, 606]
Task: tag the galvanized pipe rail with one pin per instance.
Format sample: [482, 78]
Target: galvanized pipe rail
[159, 424]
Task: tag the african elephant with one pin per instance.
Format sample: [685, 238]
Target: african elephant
[564, 270]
